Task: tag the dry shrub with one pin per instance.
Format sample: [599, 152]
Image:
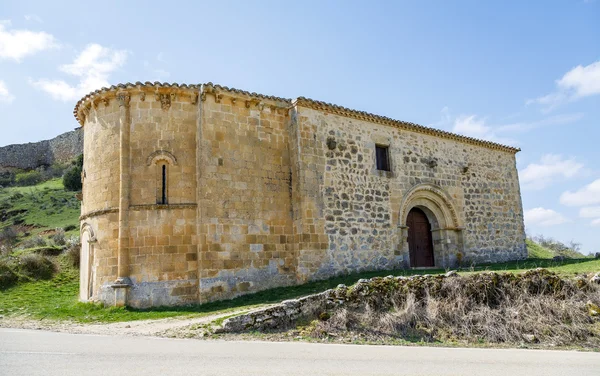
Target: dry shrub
[7, 274]
[59, 238]
[36, 266]
[73, 253]
[8, 236]
[33, 242]
[536, 306]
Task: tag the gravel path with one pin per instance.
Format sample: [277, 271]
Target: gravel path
[168, 327]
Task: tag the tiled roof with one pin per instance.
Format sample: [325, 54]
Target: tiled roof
[304, 102]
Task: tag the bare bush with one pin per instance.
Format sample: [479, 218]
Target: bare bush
[33, 242]
[73, 252]
[7, 275]
[495, 308]
[36, 266]
[58, 238]
[8, 236]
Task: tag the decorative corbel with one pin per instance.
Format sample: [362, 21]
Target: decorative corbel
[260, 105]
[105, 101]
[218, 97]
[86, 111]
[203, 96]
[248, 103]
[194, 98]
[233, 101]
[123, 99]
[142, 96]
[164, 99]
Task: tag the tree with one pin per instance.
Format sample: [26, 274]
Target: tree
[72, 178]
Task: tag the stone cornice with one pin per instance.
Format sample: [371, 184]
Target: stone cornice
[164, 92]
[366, 116]
[95, 213]
[104, 95]
[253, 98]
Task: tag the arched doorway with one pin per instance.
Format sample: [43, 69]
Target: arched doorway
[420, 241]
[85, 267]
[87, 272]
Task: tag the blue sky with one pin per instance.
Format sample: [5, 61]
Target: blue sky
[525, 73]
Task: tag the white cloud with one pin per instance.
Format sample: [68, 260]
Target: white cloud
[5, 95]
[551, 167]
[473, 126]
[551, 120]
[595, 222]
[588, 195]
[579, 82]
[590, 212]
[33, 17]
[543, 217]
[16, 44]
[478, 127]
[93, 66]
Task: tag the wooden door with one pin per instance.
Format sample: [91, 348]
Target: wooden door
[420, 244]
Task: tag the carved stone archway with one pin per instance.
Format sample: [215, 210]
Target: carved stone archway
[446, 227]
[161, 155]
[87, 270]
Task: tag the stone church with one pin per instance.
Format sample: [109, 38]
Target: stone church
[195, 193]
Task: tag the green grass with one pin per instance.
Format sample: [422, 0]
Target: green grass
[536, 251]
[56, 299]
[41, 207]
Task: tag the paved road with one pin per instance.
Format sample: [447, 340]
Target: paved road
[27, 352]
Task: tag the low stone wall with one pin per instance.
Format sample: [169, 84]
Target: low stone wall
[281, 315]
[286, 313]
[379, 292]
[60, 149]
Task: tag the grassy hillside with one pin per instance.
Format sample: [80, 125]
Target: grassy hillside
[536, 251]
[39, 209]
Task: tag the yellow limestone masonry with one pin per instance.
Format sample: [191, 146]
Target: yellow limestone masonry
[195, 193]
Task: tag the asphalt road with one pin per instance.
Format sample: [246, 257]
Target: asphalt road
[27, 352]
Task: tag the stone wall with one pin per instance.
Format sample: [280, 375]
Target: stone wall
[245, 197]
[475, 210]
[60, 149]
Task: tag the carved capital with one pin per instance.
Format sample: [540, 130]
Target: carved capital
[165, 100]
[123, 99]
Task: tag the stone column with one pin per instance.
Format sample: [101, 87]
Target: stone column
[123, 281]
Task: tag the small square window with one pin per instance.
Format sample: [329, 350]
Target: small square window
[383, 157]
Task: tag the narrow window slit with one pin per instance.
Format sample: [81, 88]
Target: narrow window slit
[164, 185]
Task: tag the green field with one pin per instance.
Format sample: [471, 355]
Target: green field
[39, 208]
